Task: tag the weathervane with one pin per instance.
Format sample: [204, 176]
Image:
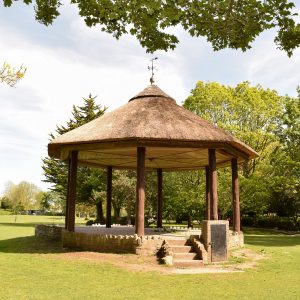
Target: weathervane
[152, 69]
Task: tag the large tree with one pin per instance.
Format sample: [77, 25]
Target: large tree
[22, 196]
[285, 160]
[90, 181]
[253, 114]
[184, 196]
[225, 23]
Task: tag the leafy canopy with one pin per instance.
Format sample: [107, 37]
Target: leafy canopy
[24, 195]
[225, 23]
[265, 121]
[253, 114]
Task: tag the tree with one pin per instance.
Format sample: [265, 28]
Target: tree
[124, 187]
[4, 201]
[290, 131]
[225, 23]
[184, 196]
[285, 160]
[254, 115]
[89, 181]
[22, 196]
[11, 76]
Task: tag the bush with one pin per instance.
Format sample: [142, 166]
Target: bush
[90, 222]
[248, 221]
[275, 222]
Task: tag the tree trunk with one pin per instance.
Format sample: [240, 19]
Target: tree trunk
[190, 225]
[128, 209]
[100, 217]
[117, 214]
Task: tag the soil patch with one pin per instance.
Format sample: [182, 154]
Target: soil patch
[240, 260]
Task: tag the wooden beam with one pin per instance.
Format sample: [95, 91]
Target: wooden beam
[72, 190]
[207, 194]
[62, 150]
[235, 196]
[140, 191]
[159, 198]
[213, 184]
[108, 196]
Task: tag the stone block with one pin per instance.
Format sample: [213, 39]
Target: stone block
[49, 232]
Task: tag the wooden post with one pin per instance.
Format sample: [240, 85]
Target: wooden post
[140, 191]
[72, 190]
[67, 201]
[108, 197]
[159, 198]
[235, 196]
[207, 194]
[213, 184]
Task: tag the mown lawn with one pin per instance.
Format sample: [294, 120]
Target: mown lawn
[29, 269]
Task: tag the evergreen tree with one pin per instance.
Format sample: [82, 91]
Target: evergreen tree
[90, 182]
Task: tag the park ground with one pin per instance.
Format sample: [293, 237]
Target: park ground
[36, 269]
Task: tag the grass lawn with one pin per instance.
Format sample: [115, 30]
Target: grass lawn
[31, 269]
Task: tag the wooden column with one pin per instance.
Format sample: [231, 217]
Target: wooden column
[67, 200]
[140, 191]
[213, 184]
[108, 196]
[159, 198]
[235, 196]
[72, 191]
[207, 195]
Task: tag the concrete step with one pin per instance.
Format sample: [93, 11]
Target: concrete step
[182, 249]
[186, 256]
[188, 263]
[182, 242]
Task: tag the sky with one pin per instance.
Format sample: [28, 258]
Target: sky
[68, 61]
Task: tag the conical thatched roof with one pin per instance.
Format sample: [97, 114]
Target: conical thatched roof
[175, 138]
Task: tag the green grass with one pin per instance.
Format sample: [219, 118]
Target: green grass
[30, 269]
[5, 212]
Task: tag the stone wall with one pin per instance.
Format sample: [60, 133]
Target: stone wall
[147, 245]
[236, 239]
[199, 248]
[50, 232]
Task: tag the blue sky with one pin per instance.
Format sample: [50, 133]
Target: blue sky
[68, 60]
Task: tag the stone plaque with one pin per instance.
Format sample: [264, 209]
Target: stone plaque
[218, 242]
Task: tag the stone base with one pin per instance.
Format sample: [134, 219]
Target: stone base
[236, 239]
[49, 232]
[216, 250]
[145, 245]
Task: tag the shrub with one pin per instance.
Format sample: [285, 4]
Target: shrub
[90, 222]
[274, 222]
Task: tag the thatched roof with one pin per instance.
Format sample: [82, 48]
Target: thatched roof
[175, 137]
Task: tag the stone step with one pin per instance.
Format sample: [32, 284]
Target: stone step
[186, 256]
[188, 263]
[182, 242]
[182, 249]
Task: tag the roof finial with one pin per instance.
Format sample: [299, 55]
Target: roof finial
[152, 68]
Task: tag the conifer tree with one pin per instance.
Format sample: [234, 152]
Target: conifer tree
[90, 181]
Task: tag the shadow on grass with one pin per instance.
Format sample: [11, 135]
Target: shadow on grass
[270, 239]
[28, 224]
[31, 244]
